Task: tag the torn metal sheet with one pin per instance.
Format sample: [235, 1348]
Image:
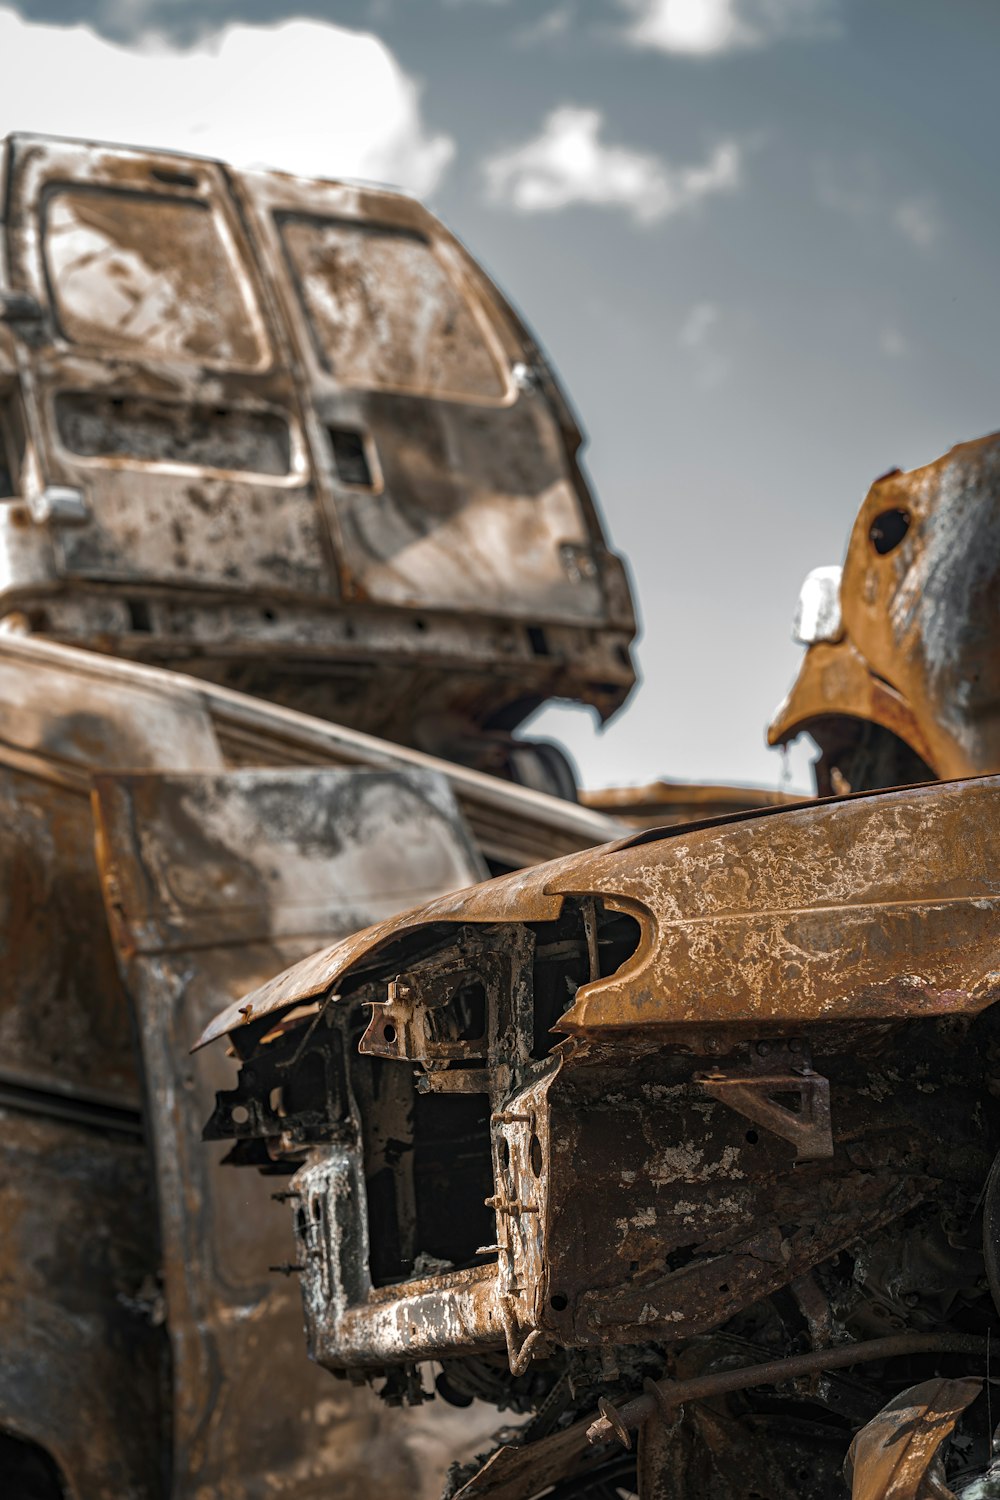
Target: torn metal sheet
[897, 1456]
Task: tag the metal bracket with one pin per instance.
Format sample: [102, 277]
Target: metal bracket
[751, 1094]
[59, 505]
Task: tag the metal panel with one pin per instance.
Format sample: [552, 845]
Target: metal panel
[465, 494]
[915, 651]
[211, 884]
[83, 1362]
[160, 326]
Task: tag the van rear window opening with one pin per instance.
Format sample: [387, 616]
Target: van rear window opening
[386, 314]
[149, 277]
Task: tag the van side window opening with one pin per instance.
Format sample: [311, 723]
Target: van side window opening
[7, 489]
[384, 312]
[11, 447]
[148, 276]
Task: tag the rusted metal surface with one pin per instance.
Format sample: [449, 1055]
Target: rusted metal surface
[213, 881]
[897, 1456]
[287, 433]
[785, 888]
[74, 1097]
[215, 727]
[662, 804]
[82, 1351]
[772, 1029]
[903, 683]
[664, 1396]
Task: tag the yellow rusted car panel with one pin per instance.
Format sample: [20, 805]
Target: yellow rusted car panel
[739, 922]
[912, 645]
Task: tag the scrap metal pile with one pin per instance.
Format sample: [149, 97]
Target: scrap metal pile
[657, 1160]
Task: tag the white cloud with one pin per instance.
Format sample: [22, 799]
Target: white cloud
[858, 190]
[568, 163]
[554, 23]
[917, 220]
[702, 28]
[698, 325]
[305, 96]
[892, 343]
[697, 336]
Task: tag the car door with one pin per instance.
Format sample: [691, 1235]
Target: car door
[159, 381]
[447, 452]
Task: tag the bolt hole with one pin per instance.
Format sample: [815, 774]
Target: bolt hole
[420, 624]
[389, 1033]
[724, 1287]
[240, 1114]
[536, 1156]
[504, 1153]
[268, 614]
[888, 530]
[558, 1302]
[752, 1137]
[139, 617]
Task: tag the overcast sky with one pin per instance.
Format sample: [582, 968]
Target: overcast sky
[757, 237]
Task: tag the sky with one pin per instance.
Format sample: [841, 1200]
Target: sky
[758, 239]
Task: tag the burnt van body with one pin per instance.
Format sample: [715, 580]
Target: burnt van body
[293, 536]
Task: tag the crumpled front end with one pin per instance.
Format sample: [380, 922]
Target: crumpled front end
[564, 1128]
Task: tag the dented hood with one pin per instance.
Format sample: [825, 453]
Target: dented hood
[872, 905]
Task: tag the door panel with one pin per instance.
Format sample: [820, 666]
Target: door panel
[163, 389]
[449, 463]
[214, 884]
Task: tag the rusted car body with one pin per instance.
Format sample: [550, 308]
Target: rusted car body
[663, 804]
[290, 507]
[287, 435]
[901, 679]
[130, 1353]
[708, 1096]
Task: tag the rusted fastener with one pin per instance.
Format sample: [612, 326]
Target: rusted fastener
[504, 1117]
[288, 1269]
[673, 1393]
[285, 1195]
[611, 1415]
[661, 1398]
[511, 1206]
[246, 1011]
